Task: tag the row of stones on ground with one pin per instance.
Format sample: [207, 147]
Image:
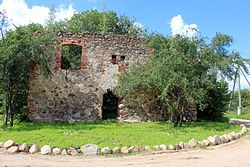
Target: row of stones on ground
[92, 149]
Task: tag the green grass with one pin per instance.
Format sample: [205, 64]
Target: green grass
[244, 115]
[112, 134]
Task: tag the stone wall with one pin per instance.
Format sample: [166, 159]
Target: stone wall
[77, 94]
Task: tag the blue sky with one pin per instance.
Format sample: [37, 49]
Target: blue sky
[209, 16]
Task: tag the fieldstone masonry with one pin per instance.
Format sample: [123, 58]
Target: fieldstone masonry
[77, 95]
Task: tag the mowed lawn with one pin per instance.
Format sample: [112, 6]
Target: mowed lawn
[108, 133]
[244, 115]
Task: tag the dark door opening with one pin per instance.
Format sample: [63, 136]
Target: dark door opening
[109, 106]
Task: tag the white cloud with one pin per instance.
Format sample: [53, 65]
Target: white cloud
[138, 25]
[178, 26]
[20, 14]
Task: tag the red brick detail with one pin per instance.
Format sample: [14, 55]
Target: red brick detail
[32, 68]
[83, 60]
[31, 106]
[103, 70]
[121, 68]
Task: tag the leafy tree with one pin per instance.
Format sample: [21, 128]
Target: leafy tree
[21, 47]
[181, 72]
[106, 22]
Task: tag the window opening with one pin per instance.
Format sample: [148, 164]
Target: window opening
[114, 59]
[71, 57]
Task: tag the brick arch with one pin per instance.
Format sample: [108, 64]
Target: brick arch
[65, 41]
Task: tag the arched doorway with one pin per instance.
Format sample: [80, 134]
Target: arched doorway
[109, 106]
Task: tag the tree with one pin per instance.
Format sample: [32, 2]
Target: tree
[22, 46]
[182, 72]
[106, 22]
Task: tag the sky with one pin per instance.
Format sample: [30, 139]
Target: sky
[168, 17]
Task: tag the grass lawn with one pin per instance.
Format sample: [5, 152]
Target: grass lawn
[244, 115]
[107, 133]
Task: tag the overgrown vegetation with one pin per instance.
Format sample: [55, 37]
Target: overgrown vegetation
[182, 72]
[35, 44]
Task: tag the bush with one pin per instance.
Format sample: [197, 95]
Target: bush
[216, 102]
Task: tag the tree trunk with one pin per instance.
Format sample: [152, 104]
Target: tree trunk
[11, 109]
[6, 115]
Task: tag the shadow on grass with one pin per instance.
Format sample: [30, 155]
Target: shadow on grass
[31, 126]
[200, 125]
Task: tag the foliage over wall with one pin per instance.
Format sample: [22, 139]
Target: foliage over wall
[35, 43]
[182, 71]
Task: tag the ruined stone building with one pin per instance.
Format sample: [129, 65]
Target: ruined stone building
[80, 94]
[86, 94]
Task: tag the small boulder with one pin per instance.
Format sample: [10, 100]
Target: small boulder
[45, 150]
[157, 148]
[141, 148]
[202, 145]
[178, 147]
[205, 143]
[181, 144]
[72, 151]
[163, 147]
[1, 144]
[243, 131]
[214, 140]
[116, 150]
[192, 143]
[13, 150]
[171, 147]
[64, 152]
[90, 149]
[9, 144]
[106, 150]
[23, 147]
[237, 135]
[217, 140]
[231, 136]
[131, 149]
[34, 149]
[147, 148]
[56, 151]
[225, 138]
[124, 150]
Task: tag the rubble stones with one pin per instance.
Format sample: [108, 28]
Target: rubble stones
[56, 151]
[163, 147]
[90, 149]
[116, 150]
[72, 151]
[64, 152]
[171, 147]
[45, 150]
[124, 150]
[8, 144]
[34, 149]
[192, 143]
[13, 149]
[106, 150]
[23, 147]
